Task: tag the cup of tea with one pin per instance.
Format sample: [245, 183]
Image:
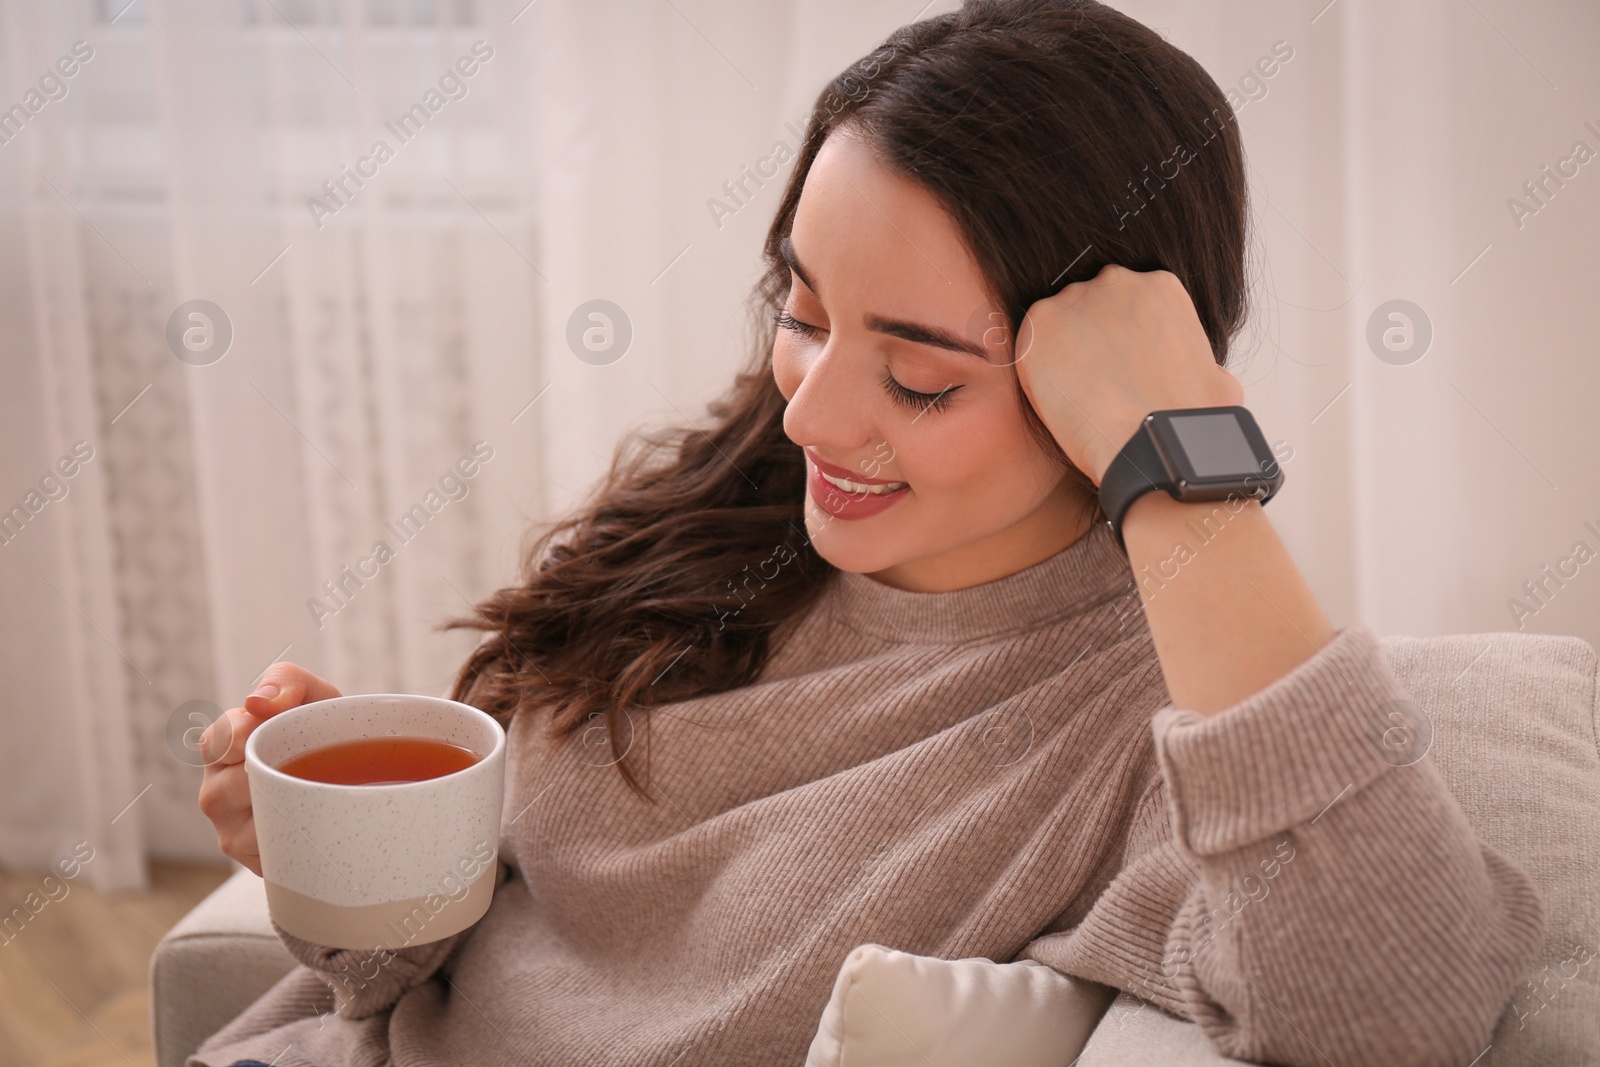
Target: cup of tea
[377, 817]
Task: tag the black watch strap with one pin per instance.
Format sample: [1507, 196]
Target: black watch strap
[1137, 470]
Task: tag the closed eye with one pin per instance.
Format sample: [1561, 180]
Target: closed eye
[788, 322]
[920, 402]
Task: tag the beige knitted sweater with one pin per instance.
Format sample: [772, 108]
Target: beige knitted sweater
[995, 771]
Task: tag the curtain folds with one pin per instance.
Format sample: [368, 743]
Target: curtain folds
[290, 289]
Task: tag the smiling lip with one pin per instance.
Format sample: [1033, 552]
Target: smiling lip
[846, 473]
[842, 505]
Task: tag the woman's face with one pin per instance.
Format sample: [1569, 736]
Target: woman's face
[892, 376]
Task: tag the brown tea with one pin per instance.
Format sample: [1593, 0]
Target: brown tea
[380, 761]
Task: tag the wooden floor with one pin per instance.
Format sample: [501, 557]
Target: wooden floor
[73, 981]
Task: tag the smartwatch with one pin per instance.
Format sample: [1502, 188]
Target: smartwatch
[1192, 454]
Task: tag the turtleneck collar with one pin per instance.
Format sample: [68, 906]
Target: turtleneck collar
[1086, 572]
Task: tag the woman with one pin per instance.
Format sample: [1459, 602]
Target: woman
[862, 663]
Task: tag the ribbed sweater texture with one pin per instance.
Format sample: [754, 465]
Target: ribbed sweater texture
[995, 772]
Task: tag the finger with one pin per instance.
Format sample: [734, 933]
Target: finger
[242, 846]
[284, 686]
[222, 743]
[1234, 387]
[225, 796]
[225, 800]
[232, 789]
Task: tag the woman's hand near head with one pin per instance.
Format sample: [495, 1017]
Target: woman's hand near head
[224, 791]
[1103, 354]
[1097, 357]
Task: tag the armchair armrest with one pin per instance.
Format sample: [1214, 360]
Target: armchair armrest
[211, 965]
[1136, 1031]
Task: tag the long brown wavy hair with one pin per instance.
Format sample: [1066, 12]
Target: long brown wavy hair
[1061, 135]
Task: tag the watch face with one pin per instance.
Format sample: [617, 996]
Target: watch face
[1217, 449]
[1214, 445]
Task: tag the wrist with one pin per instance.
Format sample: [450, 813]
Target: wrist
[1114, 433]
[1190, 455]
[1158, 520]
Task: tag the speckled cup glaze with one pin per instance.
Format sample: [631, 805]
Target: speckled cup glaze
[377, 866]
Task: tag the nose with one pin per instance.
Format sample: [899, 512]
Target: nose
[830, 405]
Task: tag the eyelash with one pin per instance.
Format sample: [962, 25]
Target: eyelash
[788, 322]
[913, 399]
[909, 397]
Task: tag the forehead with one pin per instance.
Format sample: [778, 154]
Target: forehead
[879, 242]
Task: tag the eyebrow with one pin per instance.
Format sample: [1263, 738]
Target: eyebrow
[906, 331]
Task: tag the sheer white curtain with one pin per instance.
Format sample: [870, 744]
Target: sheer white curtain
[383, 308]
[392, 310]
[1434, 485]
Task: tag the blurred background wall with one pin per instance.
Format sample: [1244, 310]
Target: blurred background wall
[262, 344]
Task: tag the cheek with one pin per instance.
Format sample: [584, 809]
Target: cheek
[944, 457]
[978, 455]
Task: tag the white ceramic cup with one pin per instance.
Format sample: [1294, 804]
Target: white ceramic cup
[377, 866]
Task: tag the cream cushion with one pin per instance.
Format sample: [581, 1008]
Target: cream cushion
[895, 1009]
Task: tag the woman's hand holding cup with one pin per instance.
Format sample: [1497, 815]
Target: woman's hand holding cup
[225, 791]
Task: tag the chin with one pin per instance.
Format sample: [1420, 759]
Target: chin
[849, 545]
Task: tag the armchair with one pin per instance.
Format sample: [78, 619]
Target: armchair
[1514, 735]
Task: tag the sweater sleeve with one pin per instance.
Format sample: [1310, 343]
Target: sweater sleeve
[366, 982]
[1301, 884]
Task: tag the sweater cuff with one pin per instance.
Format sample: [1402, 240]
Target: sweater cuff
[1284, 755]
[366, 982]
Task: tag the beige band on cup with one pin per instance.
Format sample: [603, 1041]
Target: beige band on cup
[392, 925]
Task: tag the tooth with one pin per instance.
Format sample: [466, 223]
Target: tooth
[859, 487]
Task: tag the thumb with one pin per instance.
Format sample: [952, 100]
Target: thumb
[284, 686]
